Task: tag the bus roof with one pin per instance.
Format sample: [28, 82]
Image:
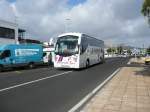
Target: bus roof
[79, 35]
[71, 33]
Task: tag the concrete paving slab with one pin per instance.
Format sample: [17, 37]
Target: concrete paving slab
[128, 91]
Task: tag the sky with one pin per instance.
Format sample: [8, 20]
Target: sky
[114, 21]
[75, 2]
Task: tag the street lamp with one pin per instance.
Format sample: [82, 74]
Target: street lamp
[16, 30]
[67, 24]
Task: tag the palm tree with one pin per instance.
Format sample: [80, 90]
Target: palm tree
[146, 9]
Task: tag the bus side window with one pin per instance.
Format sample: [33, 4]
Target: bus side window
[44, 54]
[84, 44]
[82, 49]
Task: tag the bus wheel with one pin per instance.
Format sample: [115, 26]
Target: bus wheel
[87, 63]
[31, 65]
[103, 60]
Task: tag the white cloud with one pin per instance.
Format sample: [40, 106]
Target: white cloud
[6, 11]
[115, 21]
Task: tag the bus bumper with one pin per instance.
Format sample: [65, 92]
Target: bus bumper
[66, 66]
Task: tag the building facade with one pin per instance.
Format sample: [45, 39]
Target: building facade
[8, 32]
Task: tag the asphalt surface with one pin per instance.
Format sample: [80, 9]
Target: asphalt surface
[57, 92]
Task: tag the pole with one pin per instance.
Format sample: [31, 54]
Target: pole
[67, 24]
[16, 30]
[143, 50]
[135, 52]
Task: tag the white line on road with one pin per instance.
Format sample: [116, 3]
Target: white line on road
[34, 81]
[91, 94]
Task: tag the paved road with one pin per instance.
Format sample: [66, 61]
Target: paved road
[59, 91]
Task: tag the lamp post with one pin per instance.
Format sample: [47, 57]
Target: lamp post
[67, 24]
[16, 30]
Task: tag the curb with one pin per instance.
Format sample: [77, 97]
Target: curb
[84, 101]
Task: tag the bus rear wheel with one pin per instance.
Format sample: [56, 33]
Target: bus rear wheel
[87, 63]
[102, 60]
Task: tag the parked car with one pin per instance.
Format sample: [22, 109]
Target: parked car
[147, 60]
[48, 57]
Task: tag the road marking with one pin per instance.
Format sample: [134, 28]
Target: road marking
[78, 106]
[18, 72]
[34, 81]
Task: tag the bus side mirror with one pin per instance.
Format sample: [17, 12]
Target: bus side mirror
[77, 49]
[81, 49]
[55, 52]
[44, 54]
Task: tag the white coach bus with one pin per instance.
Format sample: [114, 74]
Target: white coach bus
[77, 50]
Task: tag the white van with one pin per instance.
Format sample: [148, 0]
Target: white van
[48, 52]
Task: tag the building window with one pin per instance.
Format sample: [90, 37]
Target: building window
[7, 33]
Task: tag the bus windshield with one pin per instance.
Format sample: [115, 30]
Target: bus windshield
[67, 45]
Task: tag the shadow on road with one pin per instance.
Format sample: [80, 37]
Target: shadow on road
[80, 69]
[25, 68]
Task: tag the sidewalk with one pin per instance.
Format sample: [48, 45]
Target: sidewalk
[128, 91]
